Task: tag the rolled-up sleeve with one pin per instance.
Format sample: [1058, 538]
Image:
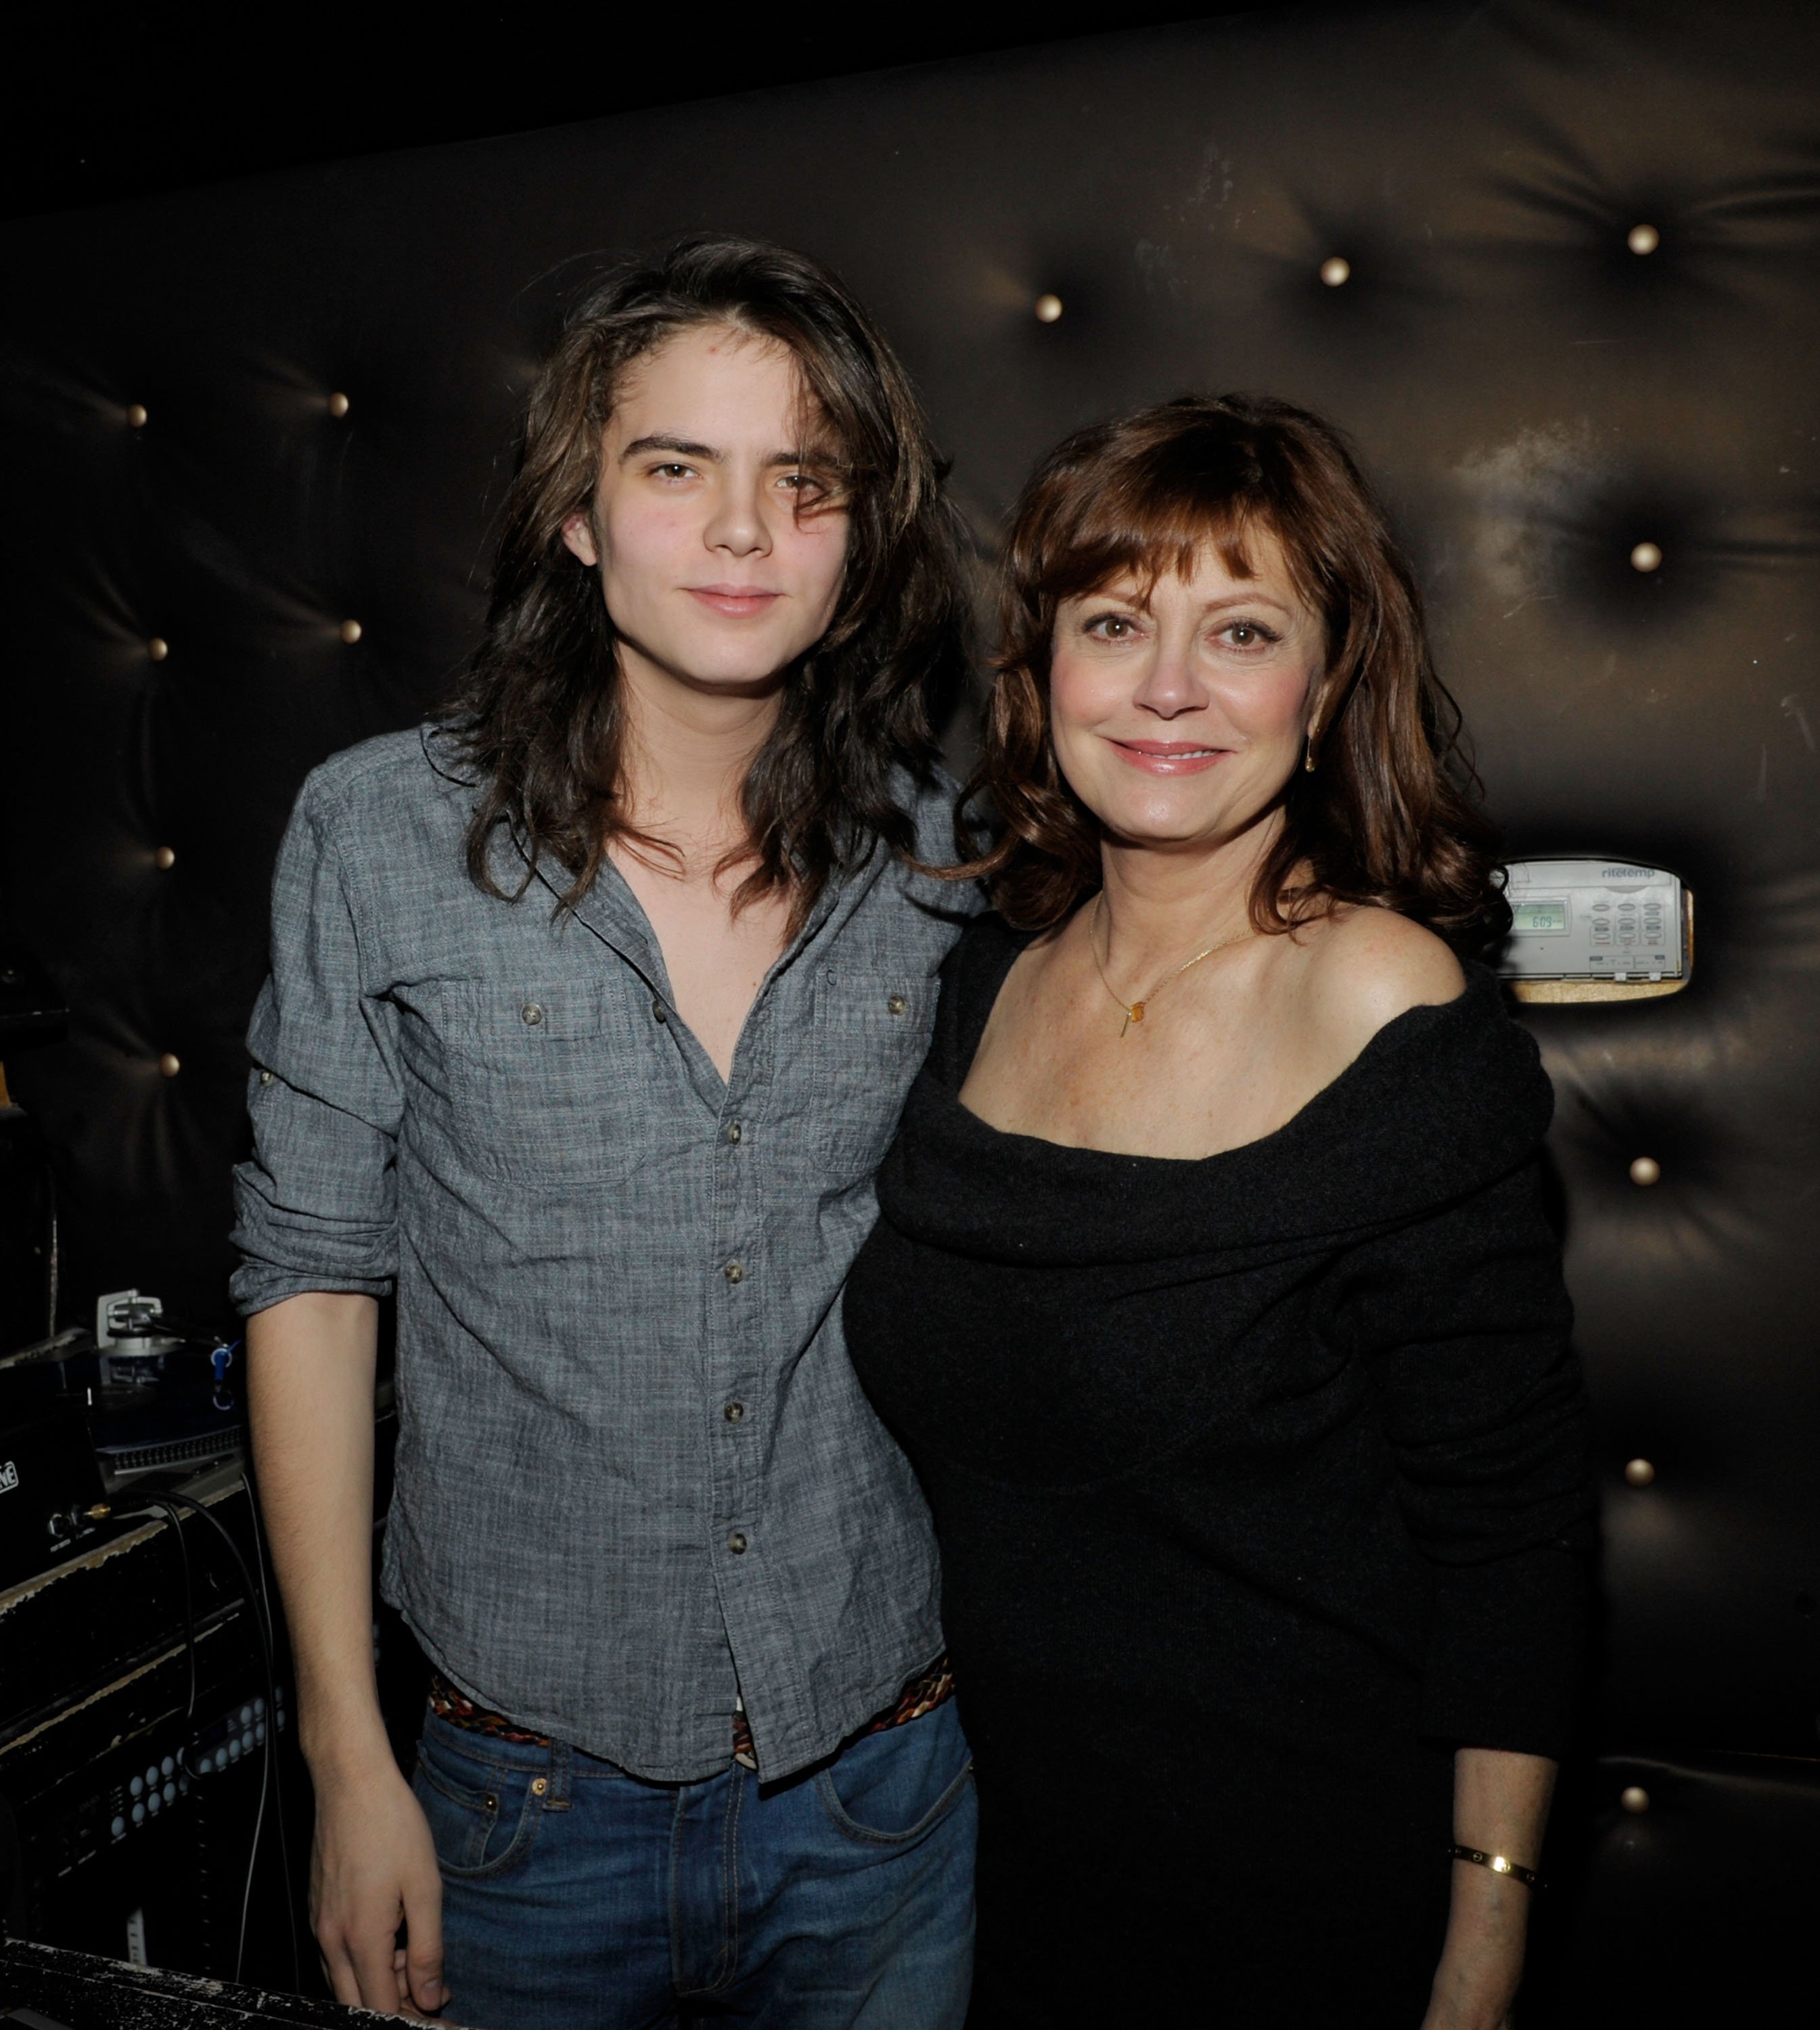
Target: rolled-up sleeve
[316, 1205]
[1483, 1407]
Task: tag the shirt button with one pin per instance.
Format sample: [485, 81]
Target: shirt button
[733, 1412]
[896, 1004]
[264, 1078]
[735, 1543]
[734, 1272]
[659, 1012]
[735, 1132]
[532, 1015]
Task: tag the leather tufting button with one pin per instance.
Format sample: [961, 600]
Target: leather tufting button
[164, 859]
[338, 405]
[1646, 557]
[1639, 1472]
[1335, 270]
[135, 415]
[350, 632]
[1646, 1170]
[1643, 240]
[157, 648]
[169, 1064]
[1634, 1798]
[1048, 308]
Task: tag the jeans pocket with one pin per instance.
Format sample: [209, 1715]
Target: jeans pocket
[893, 1788]
[483, 1813]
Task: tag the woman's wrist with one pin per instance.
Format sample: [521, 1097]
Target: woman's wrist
[1481, 1964]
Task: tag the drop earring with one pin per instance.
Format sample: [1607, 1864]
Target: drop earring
[1307, 754]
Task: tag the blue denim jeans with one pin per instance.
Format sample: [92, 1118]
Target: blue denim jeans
[576, 1897]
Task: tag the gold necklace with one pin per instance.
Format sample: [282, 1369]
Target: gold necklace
[1135, 1010]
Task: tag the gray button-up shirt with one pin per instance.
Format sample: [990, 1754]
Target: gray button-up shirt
[635, 1474]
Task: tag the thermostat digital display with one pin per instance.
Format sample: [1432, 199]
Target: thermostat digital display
[1595, 920]
[1538, 919]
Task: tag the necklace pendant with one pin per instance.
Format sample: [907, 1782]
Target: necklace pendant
[1137, 1011]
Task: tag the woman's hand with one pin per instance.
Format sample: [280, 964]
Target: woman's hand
[1500, 1806]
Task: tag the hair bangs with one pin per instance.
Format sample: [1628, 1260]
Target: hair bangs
[1161, 508]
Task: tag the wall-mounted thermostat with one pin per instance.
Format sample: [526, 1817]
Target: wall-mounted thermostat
[1596, 930]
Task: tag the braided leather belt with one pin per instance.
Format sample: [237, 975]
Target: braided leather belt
[924, 1692]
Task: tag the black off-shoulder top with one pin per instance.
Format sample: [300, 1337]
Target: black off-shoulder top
[1261, 1484]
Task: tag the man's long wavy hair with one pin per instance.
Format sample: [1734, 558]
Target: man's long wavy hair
[1388, 813]
[539, 713]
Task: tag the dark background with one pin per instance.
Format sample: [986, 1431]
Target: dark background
[116, 101]
[1535, 398]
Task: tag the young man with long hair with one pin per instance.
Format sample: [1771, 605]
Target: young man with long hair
[591, 1009]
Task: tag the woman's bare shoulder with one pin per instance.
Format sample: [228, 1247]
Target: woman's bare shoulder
[1366, 966]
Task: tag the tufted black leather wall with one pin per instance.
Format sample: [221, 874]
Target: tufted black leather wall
[220, 571]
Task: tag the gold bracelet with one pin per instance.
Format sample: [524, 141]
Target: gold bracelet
[1497, 1865]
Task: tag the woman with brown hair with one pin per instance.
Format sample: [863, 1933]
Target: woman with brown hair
[1212, 1296]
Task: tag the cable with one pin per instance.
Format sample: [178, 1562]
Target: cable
[268, 1771]
[176, 1524]
[272, 1730]
[207, 1515]
[267, 1776]
[53, 1266]
[165, 1502]
[268, 1768]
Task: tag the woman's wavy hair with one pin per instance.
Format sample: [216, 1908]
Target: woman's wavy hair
[539, 715]
[1388, 813]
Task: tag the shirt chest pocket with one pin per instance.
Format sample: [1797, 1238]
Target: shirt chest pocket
[541, 1081]
[872, 1031]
